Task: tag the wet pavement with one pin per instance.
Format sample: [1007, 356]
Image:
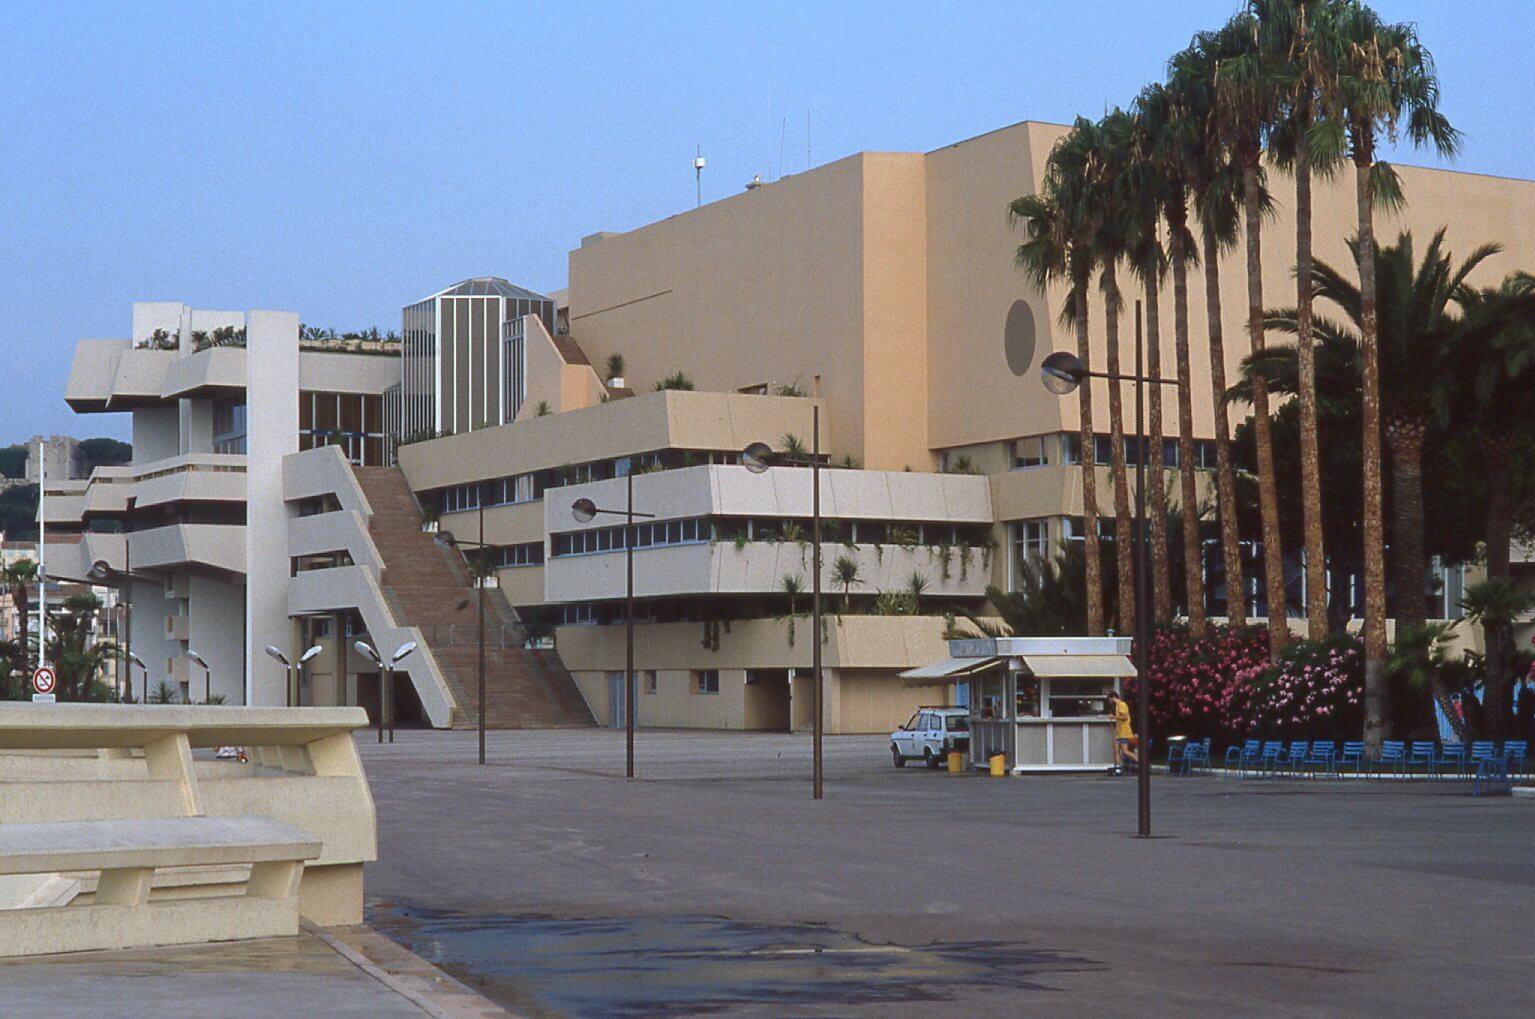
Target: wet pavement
[692, 965]
[712, 883]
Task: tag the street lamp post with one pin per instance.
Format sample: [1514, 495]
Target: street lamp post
[295, 670]
[757, 458]
[197, 660]
[385, 679]
[133, 660]
[1061, 373]
[479, 574]
[584, 510]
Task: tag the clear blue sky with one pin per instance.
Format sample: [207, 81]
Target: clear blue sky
[340, 160]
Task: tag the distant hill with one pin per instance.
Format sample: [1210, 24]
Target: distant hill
[18, 502]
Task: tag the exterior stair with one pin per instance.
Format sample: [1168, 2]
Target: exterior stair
[427, 587]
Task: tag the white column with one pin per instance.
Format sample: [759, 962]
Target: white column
[271, 434]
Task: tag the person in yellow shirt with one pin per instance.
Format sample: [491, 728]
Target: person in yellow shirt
[1124, 736]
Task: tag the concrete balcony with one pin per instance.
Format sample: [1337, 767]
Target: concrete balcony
[213, 546]
[193, 477]
[758, 567]
[178, 628]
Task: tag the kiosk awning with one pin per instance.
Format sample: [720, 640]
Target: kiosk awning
[1080, 666]
[946, 670]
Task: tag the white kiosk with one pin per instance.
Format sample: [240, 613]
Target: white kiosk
[1038, 701]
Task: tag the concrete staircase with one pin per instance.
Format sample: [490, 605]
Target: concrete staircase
[427, 587]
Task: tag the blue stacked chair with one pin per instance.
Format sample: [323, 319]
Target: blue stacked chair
[1515, 751]
[1271, 756]
[1244, 755]
[1422, 754]
[1393, 755]
[1196, 755]
[1353, 754]
[1452, 758]
[1295, 757]
[1482, 750]
[1321, 757]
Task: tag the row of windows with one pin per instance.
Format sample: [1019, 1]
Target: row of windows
[517, 488]
[1066, 448]
[646, 535]
[725, 529]
[528, 553]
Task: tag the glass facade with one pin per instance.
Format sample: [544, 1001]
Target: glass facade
[353, 421]
[229, 427]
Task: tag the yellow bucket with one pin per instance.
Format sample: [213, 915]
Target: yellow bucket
[956, 762]
[998, 764]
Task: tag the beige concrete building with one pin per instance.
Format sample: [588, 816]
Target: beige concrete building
[881, 288]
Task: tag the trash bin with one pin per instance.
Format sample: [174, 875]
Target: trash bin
[956, 762]
[998, 764]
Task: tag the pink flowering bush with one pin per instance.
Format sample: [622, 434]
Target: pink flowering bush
[1194, 682]
[1314, 691]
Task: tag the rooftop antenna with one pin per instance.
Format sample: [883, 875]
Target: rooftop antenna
[698, 174]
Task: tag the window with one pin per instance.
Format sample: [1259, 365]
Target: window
[584, 614]
[1030, 452]
[650, 680]
[1030, 540]
[529, 553]
[708, 680]
[229, 425]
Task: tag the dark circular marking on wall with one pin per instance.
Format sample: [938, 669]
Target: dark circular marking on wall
[1018, 338]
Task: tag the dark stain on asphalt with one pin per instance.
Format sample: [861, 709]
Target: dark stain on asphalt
[689, 965]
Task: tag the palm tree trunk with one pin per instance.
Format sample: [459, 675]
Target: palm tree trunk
[1161, 579]
[1498, 633]
[1268, 489]
[1373, 525]
[1310, 454]
[1193, 547]
[1094, 578]
[1225, 474]
[1406, 439]
[1124, 538]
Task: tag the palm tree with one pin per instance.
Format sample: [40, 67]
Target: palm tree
[792, 586]
[1111, 243]
[1298, 35]
[1385, 83]
[16, 578]
[1061, 222]
[1215, 182]
[1247, 104]
[1165, 120]
[1147, 195]
[1495, 391]
[845, 573]
[1495, 605]
[1418, 331]
[1419, 660]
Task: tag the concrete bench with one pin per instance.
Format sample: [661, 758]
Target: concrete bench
[106, 762]
[126, 855]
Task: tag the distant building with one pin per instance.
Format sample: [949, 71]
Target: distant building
[61, 456]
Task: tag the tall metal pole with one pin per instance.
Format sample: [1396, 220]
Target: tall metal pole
[629, 630]
[389, 697]
[382, 669]
[127, 585]
[42, 555]
[1142, 624]
[480, 563]
[815, 592]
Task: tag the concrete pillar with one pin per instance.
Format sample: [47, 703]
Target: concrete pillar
[272, 434]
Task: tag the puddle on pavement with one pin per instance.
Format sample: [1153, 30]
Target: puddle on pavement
[698, 964]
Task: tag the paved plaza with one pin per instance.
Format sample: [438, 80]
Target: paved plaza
[714, 883]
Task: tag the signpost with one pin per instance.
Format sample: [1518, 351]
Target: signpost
[43, 682]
